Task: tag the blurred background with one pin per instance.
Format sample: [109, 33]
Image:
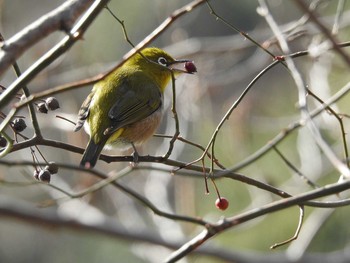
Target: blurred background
[227, 62]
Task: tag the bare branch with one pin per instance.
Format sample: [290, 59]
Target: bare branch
[324, 30]
[226, 223]
[75, 34]
[60, 19]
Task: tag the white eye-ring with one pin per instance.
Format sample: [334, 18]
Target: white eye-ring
[162, 61]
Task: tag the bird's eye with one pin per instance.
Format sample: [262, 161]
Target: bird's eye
[162, 61]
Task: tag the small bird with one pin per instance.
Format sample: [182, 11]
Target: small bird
[124, 109]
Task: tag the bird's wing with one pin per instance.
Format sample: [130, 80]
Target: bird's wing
[134, 105]
[83, 112]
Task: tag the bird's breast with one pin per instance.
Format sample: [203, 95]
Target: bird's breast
[136, 133]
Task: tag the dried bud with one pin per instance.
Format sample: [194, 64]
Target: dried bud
[42, 107]
[52, 103]
[19, 125]
[52, 167]
[45, 176]
[190, 67]
[3, 142]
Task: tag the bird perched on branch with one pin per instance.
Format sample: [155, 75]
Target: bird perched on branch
[124, 109]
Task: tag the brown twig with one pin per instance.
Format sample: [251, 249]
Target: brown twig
[296, 170]
[296, 234]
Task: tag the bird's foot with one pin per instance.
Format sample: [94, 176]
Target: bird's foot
[135, 155]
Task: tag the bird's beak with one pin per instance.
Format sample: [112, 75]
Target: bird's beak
[188, 66]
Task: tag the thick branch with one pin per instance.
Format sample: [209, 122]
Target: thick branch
[62, 18]
[60, 48]
[231, 222]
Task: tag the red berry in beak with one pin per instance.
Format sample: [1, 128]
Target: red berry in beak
[190, 67]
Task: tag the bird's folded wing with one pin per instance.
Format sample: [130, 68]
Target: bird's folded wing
[135, 104]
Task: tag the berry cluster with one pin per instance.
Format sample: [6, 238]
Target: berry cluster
[50, 103]
[44, 175]
[18, 125]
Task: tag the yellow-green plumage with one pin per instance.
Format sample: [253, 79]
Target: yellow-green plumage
[124, 108]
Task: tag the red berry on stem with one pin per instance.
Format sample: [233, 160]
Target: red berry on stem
[221, 203]
[190, 67]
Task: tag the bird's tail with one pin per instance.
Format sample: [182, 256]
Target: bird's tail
[91, 154]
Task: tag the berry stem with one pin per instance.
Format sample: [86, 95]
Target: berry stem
[215, 187]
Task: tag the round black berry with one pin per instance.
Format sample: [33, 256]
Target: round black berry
[52, 167]
[19, 125]
[52, 103]
[45, 176]
[42, 107]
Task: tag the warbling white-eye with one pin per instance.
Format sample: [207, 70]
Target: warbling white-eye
[124, 109]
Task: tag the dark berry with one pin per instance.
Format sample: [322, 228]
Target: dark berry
[52, 103]
[19, 125]
[221, 203]
[190, 67]
[52, 167]
[3, 142]
[36, 174]
[45, 176]
[42, 107]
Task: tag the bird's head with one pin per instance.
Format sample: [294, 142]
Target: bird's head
[159, 65]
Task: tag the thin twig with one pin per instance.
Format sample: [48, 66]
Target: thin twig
[301, 87]
[228, 223]
[136, 195]
[296, 234]
[338, 16]
[296, 170]
[245, 35]
[341, 124]
[32, 113]
[233, 106]
[324, 30]
[176, 119]
[288, 130]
